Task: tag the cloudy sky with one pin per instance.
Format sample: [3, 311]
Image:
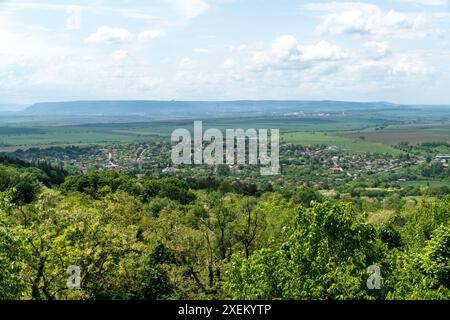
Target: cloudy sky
[396, 50]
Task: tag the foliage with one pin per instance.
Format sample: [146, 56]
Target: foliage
[11, 284]
[324, 254]
[203, 238]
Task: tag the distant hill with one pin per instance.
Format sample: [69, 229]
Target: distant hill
[184, 109]
[11, 107]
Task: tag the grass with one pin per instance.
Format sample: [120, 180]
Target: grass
[396, 137]
[334, 129]
[420, 183]
[50, 136]
[37, 135]
[346, 144]
[380, 216]
[444, 132]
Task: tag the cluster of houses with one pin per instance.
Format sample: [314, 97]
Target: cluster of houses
[127, 157]
[352, 165]
[443, 158]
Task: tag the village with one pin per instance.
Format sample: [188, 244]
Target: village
[323, 166]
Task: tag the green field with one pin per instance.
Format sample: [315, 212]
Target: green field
[396, 137]
[413, 134]
[64, 135]
[358, 132]
[419, 183]
[32, 135]
[346, 144]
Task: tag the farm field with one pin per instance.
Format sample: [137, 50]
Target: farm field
[353, 145]
[418, 183]
[357, 132]
[396, 137]
[26, 135]
[62, 135]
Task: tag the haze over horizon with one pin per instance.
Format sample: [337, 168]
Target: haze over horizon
[20, 108]
[205, 50]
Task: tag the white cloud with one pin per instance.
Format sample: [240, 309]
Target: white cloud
[201, 50]
[140, 13]
[368, 19]
[189, 76]
[151, 34]
[257, 46]
[32, 66]
[228, 64]
[286, 52]
[285, 46]
[322, 51]
[189, 8]
[410, 65]
[339, 6]
[120, 55]
[320, 68]
[377, 50]
[51, 63]
[427, 2]
[109, 35]
[186, 64]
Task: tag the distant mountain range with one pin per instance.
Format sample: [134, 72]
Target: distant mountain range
[11, 107]
[183, 109]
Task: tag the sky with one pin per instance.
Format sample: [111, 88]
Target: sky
[396, 51]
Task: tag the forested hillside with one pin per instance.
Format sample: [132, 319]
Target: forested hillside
[208, 238]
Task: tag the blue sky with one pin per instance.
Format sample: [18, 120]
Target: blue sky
[396, 50]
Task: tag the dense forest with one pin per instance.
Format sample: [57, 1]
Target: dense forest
[209, 238]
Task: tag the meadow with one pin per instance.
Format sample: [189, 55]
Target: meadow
[359, 131]
[406, 133]
[352, 145]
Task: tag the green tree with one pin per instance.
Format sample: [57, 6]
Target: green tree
[324, 254]
[11, 285]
